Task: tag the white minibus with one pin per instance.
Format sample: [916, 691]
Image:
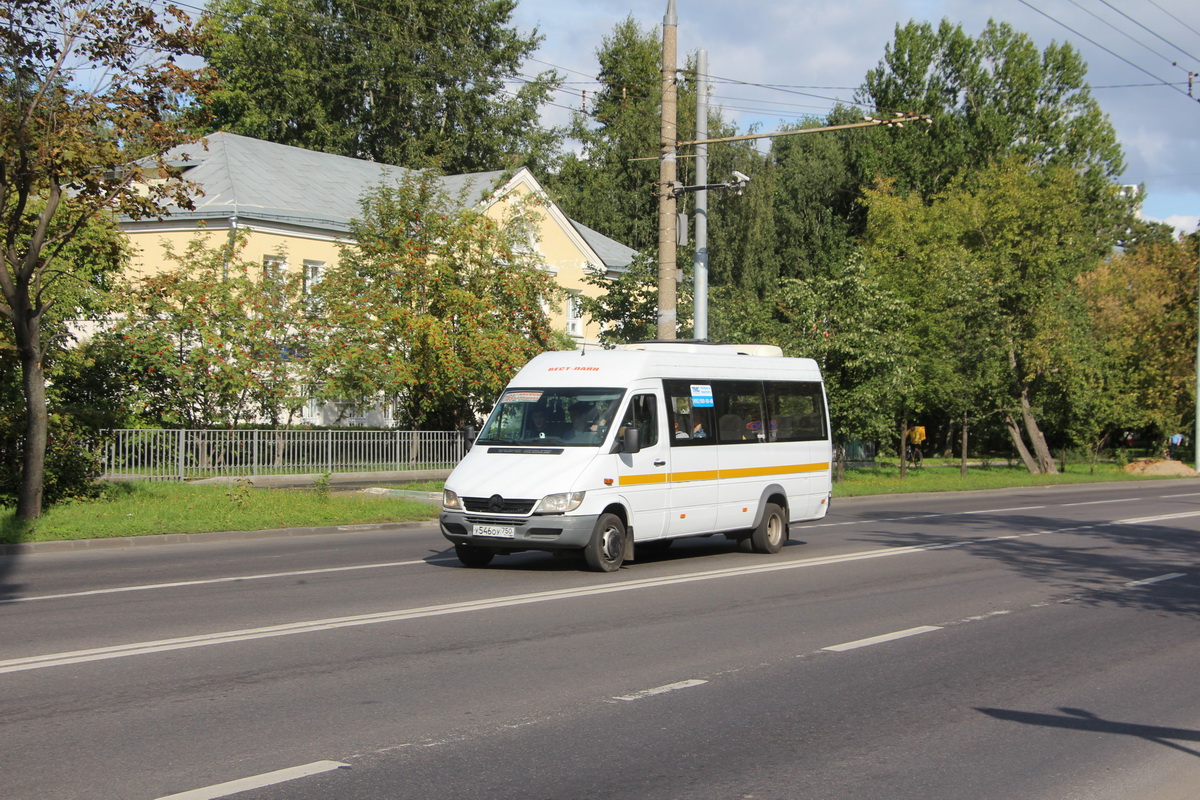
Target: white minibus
[618, 452]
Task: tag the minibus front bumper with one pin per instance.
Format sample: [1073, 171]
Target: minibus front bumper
[501, 533]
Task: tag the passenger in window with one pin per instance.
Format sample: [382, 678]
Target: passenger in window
[681, 431]
[698, 431]
[583, 422]
[538, 423]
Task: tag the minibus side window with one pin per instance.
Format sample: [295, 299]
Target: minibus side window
[739, 411]
[797, 411]
[689, 405]
[642, 414]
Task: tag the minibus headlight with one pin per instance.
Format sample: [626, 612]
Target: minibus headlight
[450, 500]
[559, 503]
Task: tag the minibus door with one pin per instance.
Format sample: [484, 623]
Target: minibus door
[643, 475]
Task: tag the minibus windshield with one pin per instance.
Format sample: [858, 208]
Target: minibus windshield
[571, 417]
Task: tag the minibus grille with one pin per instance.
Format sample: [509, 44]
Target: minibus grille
[497, 505]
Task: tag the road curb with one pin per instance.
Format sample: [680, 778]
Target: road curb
[161, 539]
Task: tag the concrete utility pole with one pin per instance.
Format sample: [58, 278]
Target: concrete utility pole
[666, 182]
[700, 263]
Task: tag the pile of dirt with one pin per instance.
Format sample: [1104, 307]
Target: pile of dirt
[1158, 466]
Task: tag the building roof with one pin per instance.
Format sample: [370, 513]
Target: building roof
[257, 180]
[614, 254]
[253, 179]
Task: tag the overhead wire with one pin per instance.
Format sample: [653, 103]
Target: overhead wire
[1127, 35]
[1147, 30]
[1088, 39]
[1172, 16]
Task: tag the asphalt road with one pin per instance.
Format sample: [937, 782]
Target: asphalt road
[1020, 644]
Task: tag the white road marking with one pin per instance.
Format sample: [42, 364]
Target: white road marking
[209, 581]
[887, 637]
[1189, 494]
[257, 781]
[226, 637]
[1159, 518]
[1001, 510]
[989, 615]
[1101, 502]
[311, 626]
[670, 687]
[1158, 579]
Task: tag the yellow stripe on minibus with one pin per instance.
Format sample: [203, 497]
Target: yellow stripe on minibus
[712, 474]
[699, 475]
[637, 480]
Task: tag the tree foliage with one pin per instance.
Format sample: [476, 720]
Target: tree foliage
[611, 184]
[69, 153]
[407, 83]
[989, 97]
[993, 262]
[435, 305]
[211, 341]
[1143, 303]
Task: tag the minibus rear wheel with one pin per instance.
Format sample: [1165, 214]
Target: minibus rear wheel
[606, 550]
[473, 556]
[771, 533]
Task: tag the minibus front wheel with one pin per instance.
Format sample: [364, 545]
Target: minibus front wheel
[473, 556]
[606, 550]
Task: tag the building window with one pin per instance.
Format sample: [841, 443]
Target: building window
[274, 268]
[574, 315]
[313, 271]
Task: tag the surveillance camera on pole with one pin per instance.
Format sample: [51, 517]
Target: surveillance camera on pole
[737, 184]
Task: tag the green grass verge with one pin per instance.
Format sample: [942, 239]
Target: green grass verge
[934, 477]
[138, 509]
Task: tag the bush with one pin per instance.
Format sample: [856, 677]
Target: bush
[72, 461]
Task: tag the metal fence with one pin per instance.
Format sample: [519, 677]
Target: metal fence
[156, 454]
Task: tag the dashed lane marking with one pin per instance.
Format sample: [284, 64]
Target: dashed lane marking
[887, 637]
[670, 687]
[1158, 579]
[257, 781]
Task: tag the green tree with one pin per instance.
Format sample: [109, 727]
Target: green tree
[407, 83]
[68, 154]
[989, 97]
[211, 342]
[611, 184]
[1143, 303]
[990, 267]
[627, 306]
[817, 213]
[434, 305]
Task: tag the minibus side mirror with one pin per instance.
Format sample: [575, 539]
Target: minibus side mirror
[469, 436]
[632, 440]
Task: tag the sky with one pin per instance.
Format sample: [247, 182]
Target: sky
[1139, 54]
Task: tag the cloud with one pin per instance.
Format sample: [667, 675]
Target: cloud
[1182, 223]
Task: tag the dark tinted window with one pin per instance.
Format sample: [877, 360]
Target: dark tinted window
[739, 411]
[797, 412]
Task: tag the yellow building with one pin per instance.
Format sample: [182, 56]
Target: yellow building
[300, 202]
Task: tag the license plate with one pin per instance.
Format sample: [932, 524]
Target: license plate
[496, 531]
